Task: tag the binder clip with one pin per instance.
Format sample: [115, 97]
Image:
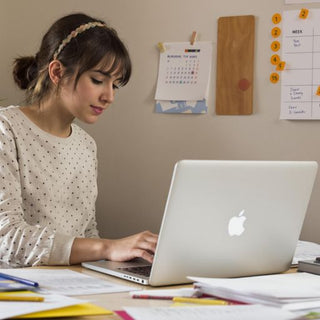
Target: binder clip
[161, 47]
[193, 37]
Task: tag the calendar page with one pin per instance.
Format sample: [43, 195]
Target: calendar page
[184, 71]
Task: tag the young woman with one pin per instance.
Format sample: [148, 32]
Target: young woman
[47, 163]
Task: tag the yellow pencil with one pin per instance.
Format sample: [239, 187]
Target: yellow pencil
[201, 301]
[21, 298]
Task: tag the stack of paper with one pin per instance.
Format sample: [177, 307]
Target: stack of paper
[305, 250]
[294, 291]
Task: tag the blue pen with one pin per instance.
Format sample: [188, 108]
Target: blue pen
[20, 280]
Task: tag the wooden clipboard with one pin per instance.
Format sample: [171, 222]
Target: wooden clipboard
[235, 60]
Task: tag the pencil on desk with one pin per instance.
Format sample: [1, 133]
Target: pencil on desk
[201, 301]
[21, 298]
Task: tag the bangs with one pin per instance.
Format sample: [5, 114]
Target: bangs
[103, 50]
[117, 65]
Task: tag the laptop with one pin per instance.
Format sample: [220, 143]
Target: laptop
[225, 219]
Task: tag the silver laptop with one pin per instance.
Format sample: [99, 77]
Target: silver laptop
[225, 219]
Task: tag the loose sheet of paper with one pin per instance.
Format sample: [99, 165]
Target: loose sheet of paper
[184, 71]
[301, 77]
[253, 312]
[52, 301]
[67, 282]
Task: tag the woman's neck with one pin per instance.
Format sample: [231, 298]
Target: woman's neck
[50, 118]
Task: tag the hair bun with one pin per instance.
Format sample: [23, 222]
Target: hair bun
[24, 71]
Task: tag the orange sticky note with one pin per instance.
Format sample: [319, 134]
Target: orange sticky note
[275, 59]
[303, 13]
[276, 18]
[318, 91]
[274, 77]
[275, 45]
[275, 32]
[281, 65]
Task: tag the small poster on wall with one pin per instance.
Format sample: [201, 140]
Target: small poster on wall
[183, 77]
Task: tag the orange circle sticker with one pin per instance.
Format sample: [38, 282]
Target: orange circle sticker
[275, 59]
[303, 13]
[274, 77]
[276, 18]
[280, 66]
[275, 32]
[275, 45]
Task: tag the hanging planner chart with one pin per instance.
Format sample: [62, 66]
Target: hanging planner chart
[184, 71]
[300, 80]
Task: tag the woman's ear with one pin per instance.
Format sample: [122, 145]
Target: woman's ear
[56, 70]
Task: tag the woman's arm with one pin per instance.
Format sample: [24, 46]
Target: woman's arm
[141, 245]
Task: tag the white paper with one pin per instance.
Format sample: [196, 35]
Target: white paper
[300, 1]
[64, 281]
[306, 251]
[184, 71]
[301, 77]
[52, 301]
[253, 312]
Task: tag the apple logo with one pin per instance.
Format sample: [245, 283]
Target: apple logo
[235, 227]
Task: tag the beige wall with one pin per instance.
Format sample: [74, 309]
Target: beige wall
[137, 147]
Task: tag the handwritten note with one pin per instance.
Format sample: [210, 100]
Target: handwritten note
[301, 77]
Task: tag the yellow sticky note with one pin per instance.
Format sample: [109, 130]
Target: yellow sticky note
[303, 13]
[275, 32]
[275, 46]
[276, 18]
[274, 77]
[281, 65]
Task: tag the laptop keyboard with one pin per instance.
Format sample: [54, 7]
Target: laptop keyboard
[142, 271]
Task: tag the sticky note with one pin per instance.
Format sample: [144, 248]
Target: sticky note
[274, 77]
[303, 13]
[318, 91]
[276, 18]
[275, 46]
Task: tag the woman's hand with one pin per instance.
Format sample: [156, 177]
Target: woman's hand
[141, 245]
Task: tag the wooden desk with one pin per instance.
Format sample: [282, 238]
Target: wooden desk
[116, 301]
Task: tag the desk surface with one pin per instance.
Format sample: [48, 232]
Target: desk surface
[116, 301]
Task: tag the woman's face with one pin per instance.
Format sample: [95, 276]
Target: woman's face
[92, 95]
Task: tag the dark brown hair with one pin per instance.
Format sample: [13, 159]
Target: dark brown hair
[85, 51]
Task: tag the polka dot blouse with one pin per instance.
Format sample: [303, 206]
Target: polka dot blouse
[48, 191]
